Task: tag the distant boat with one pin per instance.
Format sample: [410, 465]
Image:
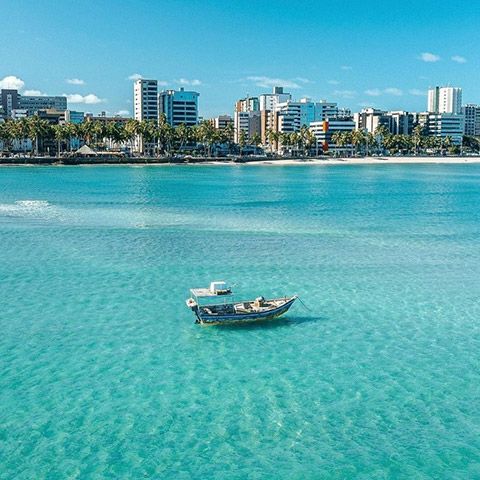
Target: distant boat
[215, 306]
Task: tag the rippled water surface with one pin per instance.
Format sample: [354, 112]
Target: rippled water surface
[104, 374]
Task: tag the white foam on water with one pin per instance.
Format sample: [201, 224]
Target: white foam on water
[27, 208]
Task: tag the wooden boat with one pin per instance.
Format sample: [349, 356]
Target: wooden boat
[215, 306]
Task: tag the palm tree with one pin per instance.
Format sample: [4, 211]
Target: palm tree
[131, 131]
[310, 139]
[71, 131]
[448, 142]
[382, 134]
[338, 138]
[256, 139]
[358, 139]
[148, 132]
[6, 134]
[273, 137]
[418, 134]
[184, 134]
[37, 129]
[206, 134]
[242, 138]
[60, 133]
[87, 131]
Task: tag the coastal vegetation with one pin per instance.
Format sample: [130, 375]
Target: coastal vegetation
[35, 136]
[418, 142]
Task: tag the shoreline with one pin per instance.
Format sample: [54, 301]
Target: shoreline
[453, 160]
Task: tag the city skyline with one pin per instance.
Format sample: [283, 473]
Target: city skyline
[354, 56]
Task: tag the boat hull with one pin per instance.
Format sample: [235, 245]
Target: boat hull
[206, 319]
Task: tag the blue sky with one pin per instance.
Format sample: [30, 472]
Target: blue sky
[357, 53]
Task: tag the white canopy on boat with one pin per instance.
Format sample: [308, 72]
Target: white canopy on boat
[216, 289]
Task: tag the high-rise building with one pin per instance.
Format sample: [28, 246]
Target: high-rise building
[9, 101]
[327, 110]
[443, 125]
[369, 119]
[247, 104]
[472, 119]
[324, 130]
[33, 104]
[145, 104]
[268, 101]
[400, 122]
[179, 106]
[445, 100]
[222, 121]
[248, 123]
[145, 107]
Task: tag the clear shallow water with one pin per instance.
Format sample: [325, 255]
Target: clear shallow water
[104, 375]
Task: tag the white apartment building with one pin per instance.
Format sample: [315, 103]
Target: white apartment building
[324, 130]
[293, 115]
[269, 101]
[247, 104]
[145, 107]
[369, 119]
[179, 107]
[145, 103]
[246, 122]
[471, 114]
[445, 100]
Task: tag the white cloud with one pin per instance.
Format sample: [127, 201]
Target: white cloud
[162, 83]
[269, 82]
[393, 91]
[459, 59]
[11, 82]
[122, 113]
[89, 99]
[184, 81]
[417, 92]
[34, 93]
[135, 76]
[367, 104]
[373, 92]
[75, 81]
[346, 67]
[333, 82]
[303, 80]
[429, 57]
[344, 93]
[376, 92]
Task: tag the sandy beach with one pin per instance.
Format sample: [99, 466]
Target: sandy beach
[350, 161]
[269, 162]
[368, 161]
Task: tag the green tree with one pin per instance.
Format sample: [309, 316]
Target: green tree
[6, 134]
[37, 129]
[418, 135]
[273, 138]
[358, 140]
[61, 134]
[256, 139]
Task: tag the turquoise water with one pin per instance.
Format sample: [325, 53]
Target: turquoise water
[104, 374]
